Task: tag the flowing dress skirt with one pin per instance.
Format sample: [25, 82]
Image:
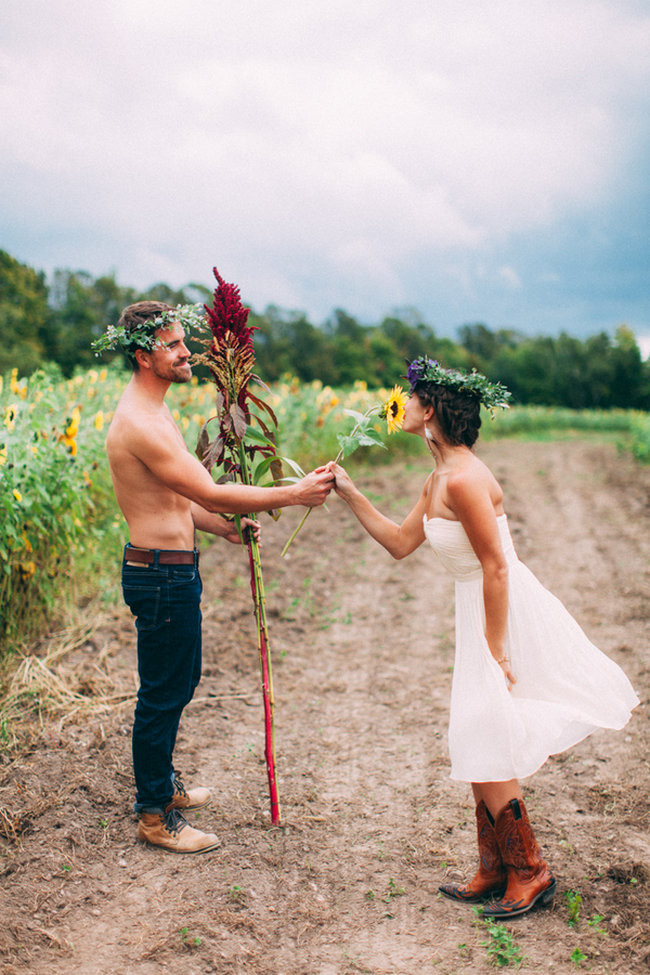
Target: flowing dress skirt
[566, 687]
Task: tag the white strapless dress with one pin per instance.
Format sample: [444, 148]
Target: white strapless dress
[566, 687]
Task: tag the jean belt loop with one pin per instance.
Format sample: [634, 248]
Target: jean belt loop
[196, 558]
[156, 556]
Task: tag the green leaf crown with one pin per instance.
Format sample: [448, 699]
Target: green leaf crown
[144, 336]
[492, 395]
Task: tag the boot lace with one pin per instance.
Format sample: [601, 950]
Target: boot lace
[174, 821]
[178, 785]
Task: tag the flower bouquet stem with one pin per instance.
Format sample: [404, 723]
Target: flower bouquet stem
[259, 601]
[363, 435]
[337, 459]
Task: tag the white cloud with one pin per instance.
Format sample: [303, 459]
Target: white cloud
[303, 141]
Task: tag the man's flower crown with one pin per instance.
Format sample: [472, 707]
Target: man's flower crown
[144, 337]
[491, 395]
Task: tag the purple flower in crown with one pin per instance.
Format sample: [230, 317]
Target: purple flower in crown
[418, 368]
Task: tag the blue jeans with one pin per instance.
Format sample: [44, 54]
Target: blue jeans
[165, 600]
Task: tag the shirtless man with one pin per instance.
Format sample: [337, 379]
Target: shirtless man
[165, 494]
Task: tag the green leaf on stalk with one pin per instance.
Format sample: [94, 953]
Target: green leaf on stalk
[237, 519]
[257, 437]
[265, 428]
[347, 444]
[359, 417]
[350, 443]
[296, 468]
[261, 469]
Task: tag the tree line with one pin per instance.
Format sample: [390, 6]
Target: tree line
[56, 321]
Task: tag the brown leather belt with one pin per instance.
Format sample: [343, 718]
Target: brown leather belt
[147, 556]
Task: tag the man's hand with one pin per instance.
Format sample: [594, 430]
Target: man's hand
[248, 526]
[313, 489]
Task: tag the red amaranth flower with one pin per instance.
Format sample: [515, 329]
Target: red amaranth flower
[227, 314]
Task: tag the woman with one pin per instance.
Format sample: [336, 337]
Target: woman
[527, 682]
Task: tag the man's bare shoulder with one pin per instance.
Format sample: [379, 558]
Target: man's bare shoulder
[137, 425]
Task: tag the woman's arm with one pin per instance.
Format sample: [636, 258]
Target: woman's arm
[470, 500]
[399, 540]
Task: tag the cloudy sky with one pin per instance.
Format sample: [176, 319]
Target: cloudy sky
[479, 161]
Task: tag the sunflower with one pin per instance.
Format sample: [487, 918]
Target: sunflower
[393, 409]
[71, 430]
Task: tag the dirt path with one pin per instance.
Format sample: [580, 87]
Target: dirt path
[363, 650]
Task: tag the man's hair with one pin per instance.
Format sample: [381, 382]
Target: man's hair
[139, 317]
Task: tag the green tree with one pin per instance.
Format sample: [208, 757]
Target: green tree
[79, 318]
[25, 318]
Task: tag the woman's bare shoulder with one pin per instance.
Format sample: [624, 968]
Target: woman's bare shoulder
[472, 481]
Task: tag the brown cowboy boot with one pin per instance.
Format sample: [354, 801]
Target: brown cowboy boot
[529, 879]
[491, 876]
[184, 799]
[171, 831]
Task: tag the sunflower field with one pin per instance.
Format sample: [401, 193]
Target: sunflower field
[61, 533]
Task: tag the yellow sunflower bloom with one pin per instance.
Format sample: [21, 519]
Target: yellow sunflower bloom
[17, 495]
[71, 430]
[393, 409]
[10, 417]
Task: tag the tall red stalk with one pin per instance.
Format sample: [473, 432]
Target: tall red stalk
[230, 358]
[267, 695]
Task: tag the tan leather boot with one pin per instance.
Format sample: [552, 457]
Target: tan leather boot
[529, 879]
[491, 875]
[187, 799]
[171, 831]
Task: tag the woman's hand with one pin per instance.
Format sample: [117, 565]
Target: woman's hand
[343, 483]
[504, 664]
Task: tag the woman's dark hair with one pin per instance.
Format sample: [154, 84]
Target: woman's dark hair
[458, 413]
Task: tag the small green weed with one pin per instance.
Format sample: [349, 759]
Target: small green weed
[574, 902]
[594, 922]
[392, 891]
[501, 948]
[578, 956]
[187, 941]
[236, 894]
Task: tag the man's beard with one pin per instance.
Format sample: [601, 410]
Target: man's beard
[173, 373]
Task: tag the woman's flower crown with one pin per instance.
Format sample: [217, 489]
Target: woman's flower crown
[144, 337]
[491, 395]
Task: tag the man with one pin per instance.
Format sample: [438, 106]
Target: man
[165, 493]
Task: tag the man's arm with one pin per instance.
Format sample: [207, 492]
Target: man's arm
[216, 525]
[178, 470]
